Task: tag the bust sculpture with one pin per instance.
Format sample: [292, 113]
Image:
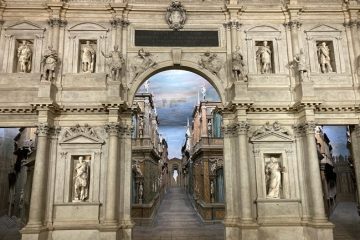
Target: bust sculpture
[87, 58]
[324, 58]
[24, 55]
[116, 64]
[49, 61]
[81, 180]
[263, 55]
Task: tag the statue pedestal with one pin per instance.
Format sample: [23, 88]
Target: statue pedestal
[47, 90]
[114, 90]
[240, 91]
[305, 91]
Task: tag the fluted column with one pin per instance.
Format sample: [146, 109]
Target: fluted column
[294, 27]
[55, 24]
[112, 129]
[243, 170]
[39, 184]
[313, 169]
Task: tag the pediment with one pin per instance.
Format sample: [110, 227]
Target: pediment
[88, 26]
[272, 137]
[81, 139]
[323, 28]
[263, 28]
[25, 25]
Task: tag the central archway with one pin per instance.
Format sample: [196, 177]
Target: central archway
[205, 188]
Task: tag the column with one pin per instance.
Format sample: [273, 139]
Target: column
[234, 41]
[125, 223]
[231, 217]
[112, 129]
[355, 147]
[243, 172]
[294, 26]
[55, 25]
[39, 184]
[204, 132]
[313, 169]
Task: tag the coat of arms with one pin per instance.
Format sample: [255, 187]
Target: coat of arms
[176, 15]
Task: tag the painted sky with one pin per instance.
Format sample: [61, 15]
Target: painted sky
[175, 95]
[338, 139]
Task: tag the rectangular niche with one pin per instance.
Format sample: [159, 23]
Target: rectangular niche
[80, 184]
[264, 52]
[320, 57]
[274, 176]
[87, 56]
[24, 52]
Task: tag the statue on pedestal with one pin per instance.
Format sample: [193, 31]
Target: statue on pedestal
[116, 64]
[301, 65]
[263, 56]
[324, 58]
[87, 58]
[49, 61]
[81, 180]
[24, 55]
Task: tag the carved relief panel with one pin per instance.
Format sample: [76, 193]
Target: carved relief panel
[23, 43]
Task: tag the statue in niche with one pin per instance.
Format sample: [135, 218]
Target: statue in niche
[87, 58]
[141, 127]
[212, 191]
[263, 56]
[136, 168]
[210, 62]
[324, 58]
[49, 61]
[24, 55]
[116, 64]
[81, 180]
[146, 62]
[273, 179]
[301, 64]
[141, 192]
[176, 15]
[239, 67]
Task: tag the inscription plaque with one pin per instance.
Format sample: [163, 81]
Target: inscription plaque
[153, 38]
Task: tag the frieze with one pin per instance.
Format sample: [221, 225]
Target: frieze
[269, 128]
[211, 62]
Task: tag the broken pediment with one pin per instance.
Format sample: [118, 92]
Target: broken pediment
[88, 26]
[25, 25]
[323, 28]
[271, 133]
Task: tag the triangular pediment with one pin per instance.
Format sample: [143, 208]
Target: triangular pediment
[25, 25]
[81, 139]
[324, 28]
[88, 26]
[272, 137]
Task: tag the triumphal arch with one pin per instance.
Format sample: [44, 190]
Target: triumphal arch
[71, 68]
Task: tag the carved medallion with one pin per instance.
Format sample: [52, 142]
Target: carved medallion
[176, 15]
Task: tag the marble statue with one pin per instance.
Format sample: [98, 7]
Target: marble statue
[116, 64]
[146, 62]
[324, 58]
[81, 180]
[137, 169]
[203, 92]
[239, 67]
[141, 127]
[212, 191]
[24, 55]
[263, 56]
[301, 64]
[176, 15]
[87, 58]
[273, 178]
[147, 86]
[141, 192]
[50, 61]
[210, 62]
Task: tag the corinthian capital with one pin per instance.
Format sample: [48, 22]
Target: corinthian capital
[112, 128]
[42, 129]
[242, 127]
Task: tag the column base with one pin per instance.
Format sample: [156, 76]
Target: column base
[34, 232]
[319, 230]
